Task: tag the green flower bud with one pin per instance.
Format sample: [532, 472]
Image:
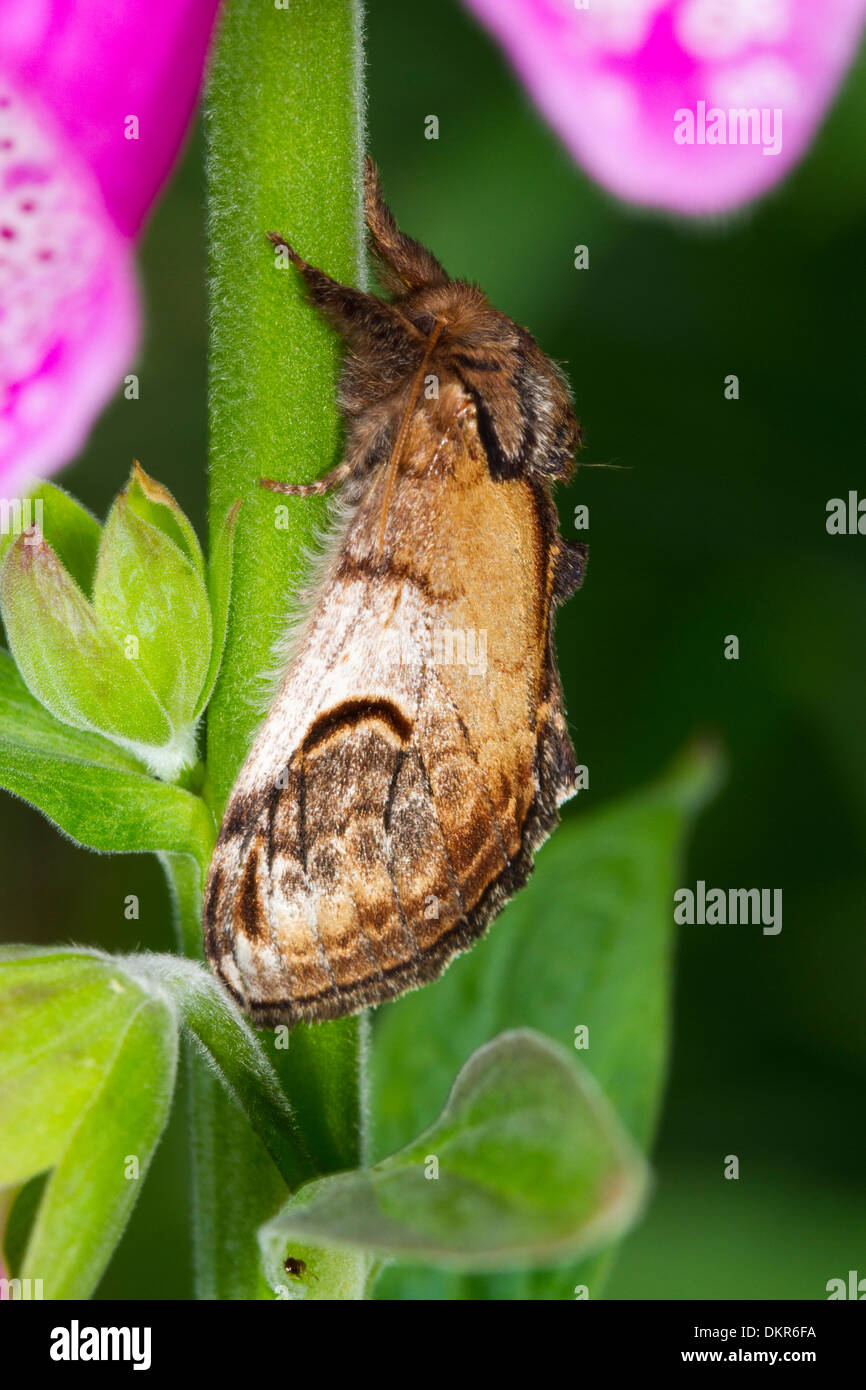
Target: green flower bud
[67, 656]
[154, 503]
[136, 661]
[69, 529]
[152, 597]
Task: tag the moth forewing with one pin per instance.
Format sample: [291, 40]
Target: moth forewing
[416, 752]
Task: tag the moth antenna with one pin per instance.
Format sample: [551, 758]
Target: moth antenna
[619, 467]
[394, 460]
[405, 264]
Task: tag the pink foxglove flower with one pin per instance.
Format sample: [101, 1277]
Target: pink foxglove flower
[695, 106]
[95, 99]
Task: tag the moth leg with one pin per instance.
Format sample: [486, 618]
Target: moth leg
[569, 567]
[362, 455]
[335, 478]
[404, 264]
[356, 315]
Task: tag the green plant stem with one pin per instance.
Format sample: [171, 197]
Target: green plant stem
[284, 125]
[184, 877]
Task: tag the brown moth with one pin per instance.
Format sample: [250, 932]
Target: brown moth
[416, 753]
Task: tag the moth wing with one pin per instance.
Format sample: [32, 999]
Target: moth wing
[352, 876]
[393, 799]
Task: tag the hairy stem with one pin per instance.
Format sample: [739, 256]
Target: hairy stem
[284, 126]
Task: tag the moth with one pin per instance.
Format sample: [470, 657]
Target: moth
[416, 753]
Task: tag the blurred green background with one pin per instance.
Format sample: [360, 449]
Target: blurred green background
[713, 524]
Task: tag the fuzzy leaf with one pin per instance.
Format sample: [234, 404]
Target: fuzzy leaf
[586, 944]
[93, 790]
[532, 1165]
[87, 1070]
[220, 587]
[233, 1051]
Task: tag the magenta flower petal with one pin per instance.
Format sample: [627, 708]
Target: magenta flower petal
[615, 78]
[95, 100]
[96, 63]
[68, 301]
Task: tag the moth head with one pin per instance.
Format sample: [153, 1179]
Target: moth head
[522, 400]
[525, 416]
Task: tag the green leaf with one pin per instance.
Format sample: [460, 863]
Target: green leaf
[87, 1071]
[220, 590]
[531, 1164]
[149, 594]
[236, 1186]
[22, 1205]
[69, 659]
[90, 788]
[314, 1272]
[233, 1051]
[587, 942]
